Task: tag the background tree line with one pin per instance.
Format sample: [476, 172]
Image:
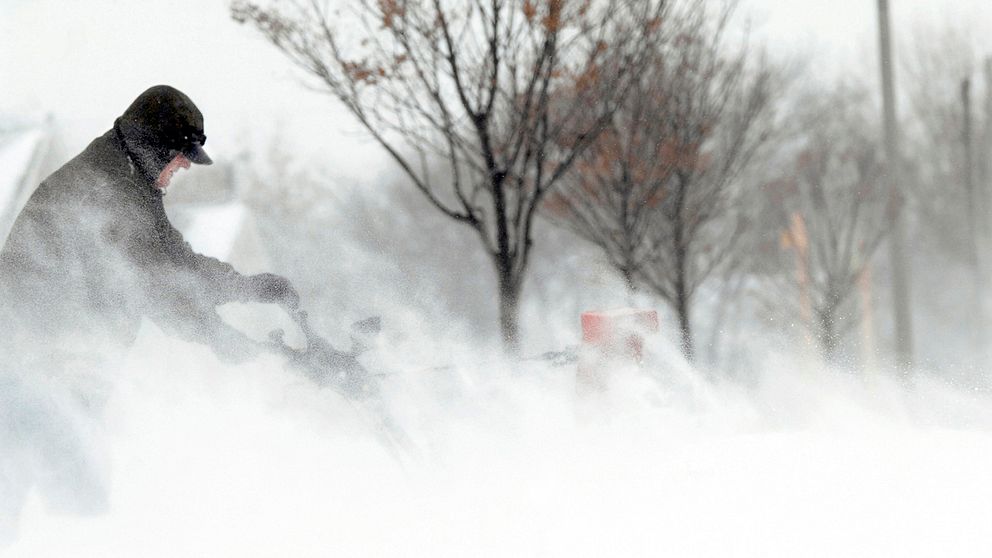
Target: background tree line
[704, 172]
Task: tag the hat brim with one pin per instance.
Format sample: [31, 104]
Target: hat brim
[198, 156]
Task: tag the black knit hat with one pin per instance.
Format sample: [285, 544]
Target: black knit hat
[164, 121]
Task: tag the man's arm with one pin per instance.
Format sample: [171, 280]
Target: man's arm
[181, 289]
[219, 281]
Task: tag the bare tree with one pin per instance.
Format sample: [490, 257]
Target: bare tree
[611, 194]
[938, 61]
[939, 132]
[491, 87]
[656, 191]
[829, 211]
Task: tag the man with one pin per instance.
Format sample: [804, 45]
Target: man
[90, 254]
[93, 251]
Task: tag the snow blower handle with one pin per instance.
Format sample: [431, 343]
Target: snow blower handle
[302, 320]
[277, 338]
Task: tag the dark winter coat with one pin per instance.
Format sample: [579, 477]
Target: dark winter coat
[93, 251]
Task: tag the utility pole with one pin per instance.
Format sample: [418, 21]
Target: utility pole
[985, 156]
[975, 205]
[902, 312]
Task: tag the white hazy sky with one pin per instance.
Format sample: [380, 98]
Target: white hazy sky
[85, 61]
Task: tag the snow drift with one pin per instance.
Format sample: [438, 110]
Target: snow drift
[191, 457]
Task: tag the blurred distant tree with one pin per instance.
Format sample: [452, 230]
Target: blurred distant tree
[952, 195]
[656, 191]
[829, 211]
[936, 65]
[494, 88]
[370, 240]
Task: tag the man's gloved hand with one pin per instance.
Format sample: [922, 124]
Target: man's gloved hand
[268, 287]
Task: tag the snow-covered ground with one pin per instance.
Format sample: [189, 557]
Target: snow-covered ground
[180, 455]
[206, 459]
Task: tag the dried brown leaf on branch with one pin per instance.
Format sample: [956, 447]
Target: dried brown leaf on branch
[484, 106]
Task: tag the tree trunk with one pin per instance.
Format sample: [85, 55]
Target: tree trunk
[685, 326]
[828, 335]
[681, 272]
[509, 308]
[682, 304]
[627, 273]
[975, 227]
[867, 308]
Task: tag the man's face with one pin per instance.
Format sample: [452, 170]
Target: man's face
[178, 162]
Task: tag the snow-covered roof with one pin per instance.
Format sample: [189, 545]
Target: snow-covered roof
[213, 229]
[226, 231]
[20, 154]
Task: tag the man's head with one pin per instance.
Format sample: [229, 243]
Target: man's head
[163, 130]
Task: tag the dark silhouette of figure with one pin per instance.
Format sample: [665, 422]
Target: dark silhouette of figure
[88, 257]
[93, 251]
